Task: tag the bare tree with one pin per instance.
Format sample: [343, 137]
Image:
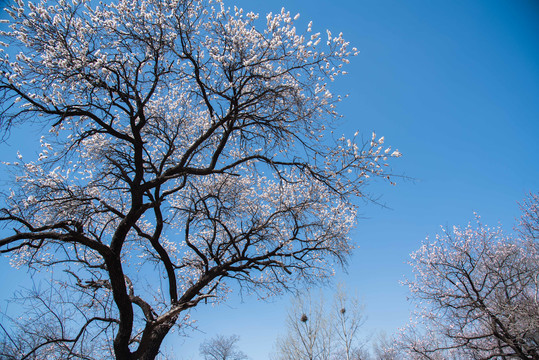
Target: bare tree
[478, 292]
[348, 316]
[182, 141]
[315, 333]
[222, 348]
[51, 314]
[309, 333]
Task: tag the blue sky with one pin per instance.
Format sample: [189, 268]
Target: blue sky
[454, 85]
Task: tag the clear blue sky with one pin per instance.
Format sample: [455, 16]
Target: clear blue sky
[454, 85]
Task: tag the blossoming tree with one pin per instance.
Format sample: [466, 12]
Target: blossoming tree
[477, 292]
[188, 147]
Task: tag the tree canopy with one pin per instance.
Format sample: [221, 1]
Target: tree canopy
[183, 141]
[477, 293]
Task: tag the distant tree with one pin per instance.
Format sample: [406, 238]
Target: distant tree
[348, 317]
[478, 293]
[49, 315]
[182, 141]
[314, 333]
[222, 348]
[309, 332]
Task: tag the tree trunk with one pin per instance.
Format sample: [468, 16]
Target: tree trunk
[151, 342]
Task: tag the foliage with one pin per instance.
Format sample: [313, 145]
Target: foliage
[477, 292]
[183, 141]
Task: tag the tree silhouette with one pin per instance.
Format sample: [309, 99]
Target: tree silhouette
[182, 141]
